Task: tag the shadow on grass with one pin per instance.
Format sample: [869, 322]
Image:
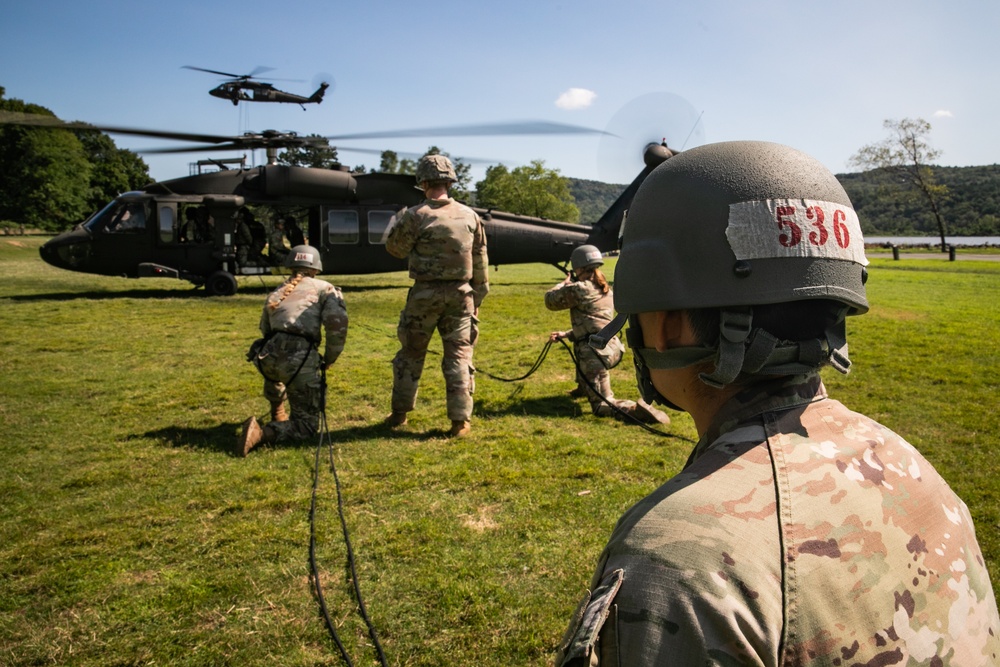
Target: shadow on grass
[193, 292]
[222, 438]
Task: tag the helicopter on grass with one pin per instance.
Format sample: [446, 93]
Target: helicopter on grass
[247, 88]
[347, 215]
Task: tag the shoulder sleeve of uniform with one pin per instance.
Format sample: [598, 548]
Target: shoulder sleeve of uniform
[562, 296]
[403, 235]
[335, 320]
[580, 645]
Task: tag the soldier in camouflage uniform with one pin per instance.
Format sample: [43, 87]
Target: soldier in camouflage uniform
[292, 322]
[799, 532]
[277, 250]
[588, 297]
[446, 246]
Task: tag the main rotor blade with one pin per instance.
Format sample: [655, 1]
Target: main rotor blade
[38, 120]
[259, 70]
[212, 71]
[414, 156]
[192, 149]
[484, 130]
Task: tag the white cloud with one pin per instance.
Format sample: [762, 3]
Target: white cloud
[576, 98]
[943, 113]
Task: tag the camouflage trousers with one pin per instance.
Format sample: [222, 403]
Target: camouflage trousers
[448, 307]
[594, 376]
[291, 369]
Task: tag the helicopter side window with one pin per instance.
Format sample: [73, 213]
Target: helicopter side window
[343, 227]
[379, 224]
[167, 224]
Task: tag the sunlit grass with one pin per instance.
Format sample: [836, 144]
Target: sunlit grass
[130, 535]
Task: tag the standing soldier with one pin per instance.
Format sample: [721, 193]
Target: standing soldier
[799, 532]
[588, 297]
[446, 246]
[276, 248]
[294, 232]
[293, 321]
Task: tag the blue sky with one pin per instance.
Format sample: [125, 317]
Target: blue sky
[819, 76]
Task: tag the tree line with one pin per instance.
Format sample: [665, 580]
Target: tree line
[53, 179]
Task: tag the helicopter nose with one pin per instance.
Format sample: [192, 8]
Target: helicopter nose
[69, 250]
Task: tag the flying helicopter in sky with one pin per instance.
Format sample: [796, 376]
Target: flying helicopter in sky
[187, 227]
[247, 88]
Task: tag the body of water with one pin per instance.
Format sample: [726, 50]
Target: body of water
[933, 240]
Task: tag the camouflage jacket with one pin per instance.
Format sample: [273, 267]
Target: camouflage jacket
[799, 533]
[444, 240]
[589, 309]
[313, 305]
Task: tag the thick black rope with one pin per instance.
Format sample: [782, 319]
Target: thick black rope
[576, 364]
[621, 413]
[324, 438]
[534, 367]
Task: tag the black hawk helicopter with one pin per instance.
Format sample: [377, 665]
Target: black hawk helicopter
[145, 234]
[247, 88]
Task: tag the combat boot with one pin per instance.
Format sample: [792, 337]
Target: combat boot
[643, 412]
[278, 413]
[396, 419]
[647, 414]
[253, 435]
[459, 428]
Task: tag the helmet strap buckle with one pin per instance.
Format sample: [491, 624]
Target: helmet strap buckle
[734, 329]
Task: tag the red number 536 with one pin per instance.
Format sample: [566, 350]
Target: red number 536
[815, 217]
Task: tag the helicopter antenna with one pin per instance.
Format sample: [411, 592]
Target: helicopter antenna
[696, 121]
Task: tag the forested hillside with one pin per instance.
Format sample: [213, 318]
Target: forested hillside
[972, 207]
[593, 197]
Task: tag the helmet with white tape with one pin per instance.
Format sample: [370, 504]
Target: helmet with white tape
[304, 257]
[740, 227]
[586, 257]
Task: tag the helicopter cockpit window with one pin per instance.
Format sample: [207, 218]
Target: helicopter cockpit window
[379, 224]
[119, 217]
[128, 219]
[342, 227]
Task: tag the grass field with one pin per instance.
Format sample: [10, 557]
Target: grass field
[130, 536]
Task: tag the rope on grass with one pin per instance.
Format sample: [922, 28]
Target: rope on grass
[324, 438]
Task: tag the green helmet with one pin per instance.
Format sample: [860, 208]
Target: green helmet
[304, 257]
[586, 257]
[435, 168]
[736, 225]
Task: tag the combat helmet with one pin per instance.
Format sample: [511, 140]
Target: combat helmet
[733, 226]
[432, 168]
[586, 257]
[304, 257]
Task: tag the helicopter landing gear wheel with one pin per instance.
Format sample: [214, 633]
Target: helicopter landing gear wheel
[220, 283]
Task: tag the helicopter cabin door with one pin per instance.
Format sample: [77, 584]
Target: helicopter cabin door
[353, 239]
[122, 234]
[184, 237]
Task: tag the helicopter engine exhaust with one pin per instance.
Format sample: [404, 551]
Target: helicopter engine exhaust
[284, 181]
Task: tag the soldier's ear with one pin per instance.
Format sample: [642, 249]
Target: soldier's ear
[666, 329]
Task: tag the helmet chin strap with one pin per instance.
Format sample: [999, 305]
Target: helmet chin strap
[741, 350]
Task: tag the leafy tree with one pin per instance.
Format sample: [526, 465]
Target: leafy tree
[528, 190]
[318, 154]
[44, 172]
[113, 170]
[905, 158]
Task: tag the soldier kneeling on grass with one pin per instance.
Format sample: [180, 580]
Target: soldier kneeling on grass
[288, 356]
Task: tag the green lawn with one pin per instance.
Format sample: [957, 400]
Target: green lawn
[130, 535]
